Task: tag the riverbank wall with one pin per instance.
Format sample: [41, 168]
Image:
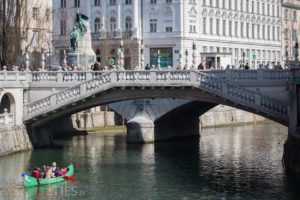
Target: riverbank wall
[218, 116]
[14, 139]
[224, 115]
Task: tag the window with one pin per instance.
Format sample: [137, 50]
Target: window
[217, 3]
[35, 13]
[258, 31]
[113, 24]
[268, 9]
[230, 28]
[241, 6]
[97, 2]
[204, 25]
[192, 28]
[166, 56]
[242, 29]
[268, 33]
[217, 26]
[210, 26]
[229, 5]
[247, 5]
[153, 2]
[252, 7]
[278, 33]
[97, 25]
[223, 4]
[247, 30]
[224, 27]
[273, 32]
[278, 10]
[295, 35]
[211, 3]
[168, 29]
[273, 10]
[286, 33]
[191, 1]
[47, 14]
[253, 31]
[128, 2]
[204, 2]
[258, 7]
[112, 2]
[286, 14]
[169, 1]
[153, 25]
[63, 28]
[264, 32]
[235, 29]
[263, 8]
[76, 3]
[236, 4]
[62, 3]
[128, 23]
[294, 15]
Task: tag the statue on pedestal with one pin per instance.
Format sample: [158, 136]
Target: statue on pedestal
[82, 53]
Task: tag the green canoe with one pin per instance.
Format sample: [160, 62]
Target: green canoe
[31, 181]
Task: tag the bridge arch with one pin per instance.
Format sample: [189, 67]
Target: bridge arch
[7, 102]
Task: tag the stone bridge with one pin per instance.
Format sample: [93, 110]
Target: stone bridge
[38, 98]
[46, 96]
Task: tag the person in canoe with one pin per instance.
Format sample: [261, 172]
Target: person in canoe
[49, 172]
[36, 174]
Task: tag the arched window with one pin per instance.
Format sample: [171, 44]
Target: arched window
[97, 25]
[7, 103]
[113, 24]
[128, 23]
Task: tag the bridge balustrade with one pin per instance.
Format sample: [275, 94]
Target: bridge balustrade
[80, 76]
[7, 119]
[207, 82]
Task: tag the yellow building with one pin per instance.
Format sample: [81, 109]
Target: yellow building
[290, 29]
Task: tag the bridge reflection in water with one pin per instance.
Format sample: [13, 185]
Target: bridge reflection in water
[242, 162]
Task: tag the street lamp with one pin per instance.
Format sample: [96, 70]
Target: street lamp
[243, 55]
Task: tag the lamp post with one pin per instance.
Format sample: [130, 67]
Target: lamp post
[142, 55]
[194, 55]
[121, 55]
[186, 59]
[158, 59]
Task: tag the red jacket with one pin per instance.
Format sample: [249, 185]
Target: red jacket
[36, 174]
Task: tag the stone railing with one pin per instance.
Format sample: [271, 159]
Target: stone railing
[13, 76]
[252, 75]
[243, 96]
[60, 77]
[207, 82]
[7, 119]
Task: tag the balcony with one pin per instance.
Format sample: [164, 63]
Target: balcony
[111, 35]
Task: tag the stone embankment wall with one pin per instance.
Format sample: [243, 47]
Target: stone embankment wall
[225, 115]
[93, 119]
[14, 139]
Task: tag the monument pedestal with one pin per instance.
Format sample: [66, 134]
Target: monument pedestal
[73, 59]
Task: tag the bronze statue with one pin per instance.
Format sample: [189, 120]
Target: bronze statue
[79, 29]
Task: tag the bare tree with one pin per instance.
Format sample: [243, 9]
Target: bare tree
[21, 18]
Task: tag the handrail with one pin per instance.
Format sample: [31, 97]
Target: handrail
[159, 78]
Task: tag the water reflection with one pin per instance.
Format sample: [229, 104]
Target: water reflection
[225, 163]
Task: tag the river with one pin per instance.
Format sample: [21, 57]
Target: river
[239, 162]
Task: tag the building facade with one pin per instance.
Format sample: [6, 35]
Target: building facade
[290, 26]
[38, 29]
[176, 33]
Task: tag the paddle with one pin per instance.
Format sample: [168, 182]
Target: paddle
[70, 178]
[24, 174]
